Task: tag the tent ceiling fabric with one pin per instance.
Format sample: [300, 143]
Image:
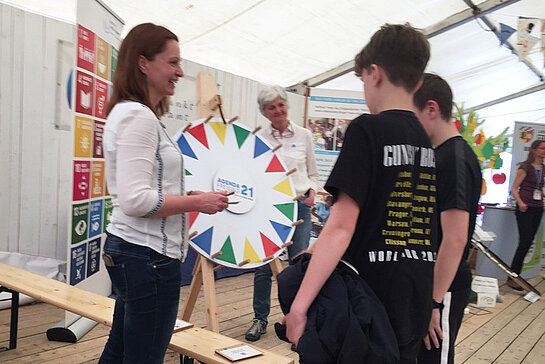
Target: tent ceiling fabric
[271, 41]
[285, 42]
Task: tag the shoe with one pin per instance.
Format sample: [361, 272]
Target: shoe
[293, 347]
[284, 256]
[256, 330]
[511, 283]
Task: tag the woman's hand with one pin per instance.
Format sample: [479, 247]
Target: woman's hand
[212, 202]
[309, 201]
[523, 207]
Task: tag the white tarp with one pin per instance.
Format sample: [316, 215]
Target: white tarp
[285, 42]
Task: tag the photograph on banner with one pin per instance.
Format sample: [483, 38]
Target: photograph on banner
[328, 114]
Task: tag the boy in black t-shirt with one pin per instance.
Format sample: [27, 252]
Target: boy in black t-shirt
[458, 192]
[383, 221]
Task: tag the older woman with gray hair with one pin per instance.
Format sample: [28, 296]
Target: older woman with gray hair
[297, 151]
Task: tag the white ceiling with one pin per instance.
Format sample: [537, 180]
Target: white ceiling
[285, 42]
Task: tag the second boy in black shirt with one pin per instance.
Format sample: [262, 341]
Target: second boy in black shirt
[458, 192]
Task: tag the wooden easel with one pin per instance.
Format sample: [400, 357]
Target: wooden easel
[208, 105]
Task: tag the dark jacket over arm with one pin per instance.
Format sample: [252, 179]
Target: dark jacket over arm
[347, 324]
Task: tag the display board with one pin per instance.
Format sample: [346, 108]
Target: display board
[98, 37]
[328, 114]
[229, 156]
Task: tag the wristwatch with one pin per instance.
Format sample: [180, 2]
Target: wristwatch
[438, 305]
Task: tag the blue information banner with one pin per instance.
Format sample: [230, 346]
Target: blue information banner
[93, 256]
[95, 218]
[78, 257]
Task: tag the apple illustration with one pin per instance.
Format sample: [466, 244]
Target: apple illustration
[458, 124]
[499, 178]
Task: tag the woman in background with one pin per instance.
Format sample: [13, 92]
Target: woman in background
[297, 151]
[146, 238]
[527, 189]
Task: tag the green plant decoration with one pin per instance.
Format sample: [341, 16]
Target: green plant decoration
[487, 149]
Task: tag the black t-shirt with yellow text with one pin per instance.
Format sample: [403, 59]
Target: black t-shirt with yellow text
[387, 166]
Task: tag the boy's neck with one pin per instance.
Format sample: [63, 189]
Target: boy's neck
[394, 98]
[443, 132]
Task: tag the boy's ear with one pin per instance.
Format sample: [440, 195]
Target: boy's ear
[432, 109]
[377, 74]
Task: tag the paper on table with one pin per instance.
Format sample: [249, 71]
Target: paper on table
[238, 352]
[181, 325]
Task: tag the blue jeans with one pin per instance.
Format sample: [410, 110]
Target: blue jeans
[147, 288]
[263, 274]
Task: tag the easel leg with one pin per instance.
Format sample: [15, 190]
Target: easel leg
[276, 266]
[210, 295]
[196, 282]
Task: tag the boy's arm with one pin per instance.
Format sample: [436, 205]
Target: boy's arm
[454, 224]
[327, 252]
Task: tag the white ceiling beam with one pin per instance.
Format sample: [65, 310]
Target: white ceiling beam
[452, 21]
[515, 95]
[465, 16]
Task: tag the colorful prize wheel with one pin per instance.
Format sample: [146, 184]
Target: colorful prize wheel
[220, 156]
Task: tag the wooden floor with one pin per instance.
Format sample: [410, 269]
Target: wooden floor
[512, 332]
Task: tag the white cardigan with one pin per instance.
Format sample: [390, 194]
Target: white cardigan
[142, 165]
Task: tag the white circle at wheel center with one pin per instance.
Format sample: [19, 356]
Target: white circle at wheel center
[231, 178]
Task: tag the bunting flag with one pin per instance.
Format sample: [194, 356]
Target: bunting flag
[284, 187]
[275, 165]
[241, 134]
[187, 173]
[260, 147]
[505, 32]
[525, 40]
[282, 230]
[204, 240]
[192, 217]
[287, 209]
[249, 252]
[227, 253]
[185, 148]
[269, 247]
[199, 134]
[219, 128]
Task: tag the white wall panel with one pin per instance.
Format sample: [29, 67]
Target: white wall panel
[5, 124]
[14, 91]
[31, 133]
[56, 150]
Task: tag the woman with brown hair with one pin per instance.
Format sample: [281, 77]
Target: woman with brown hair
[527, 189]
[147, 235]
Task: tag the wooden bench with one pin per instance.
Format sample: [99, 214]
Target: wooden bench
[193, 342]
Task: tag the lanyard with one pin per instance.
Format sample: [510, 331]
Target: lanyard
[539, 175]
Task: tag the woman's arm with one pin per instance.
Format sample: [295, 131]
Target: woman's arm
[207, 202]
[521, 175]
[136, 147]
